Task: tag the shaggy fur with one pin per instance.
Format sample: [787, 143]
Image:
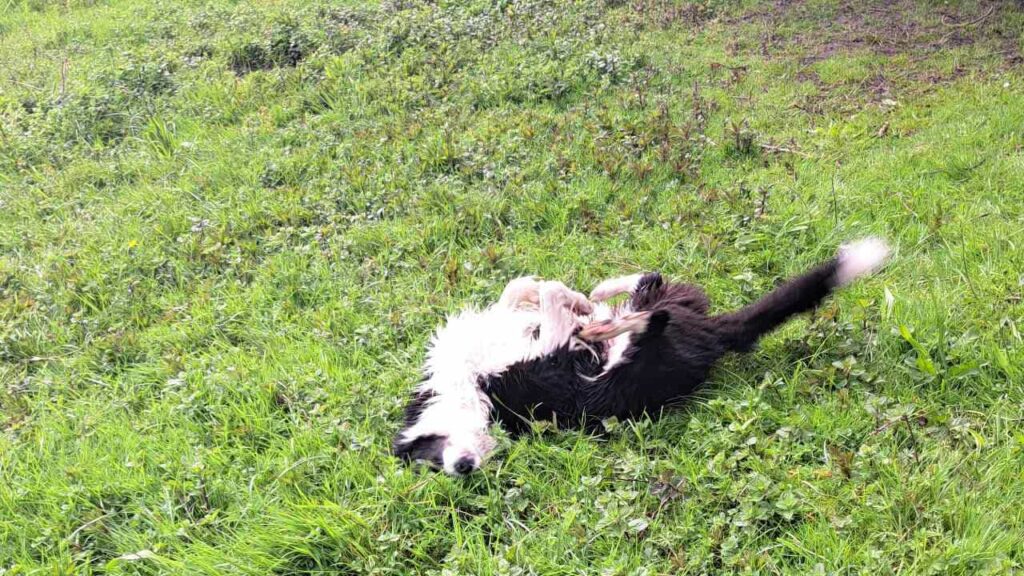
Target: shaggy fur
[544, 352]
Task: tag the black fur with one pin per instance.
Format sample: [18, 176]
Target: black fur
[426, 448]
[667, 362]
[412, 451]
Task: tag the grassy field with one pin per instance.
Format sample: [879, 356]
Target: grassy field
[227, 229]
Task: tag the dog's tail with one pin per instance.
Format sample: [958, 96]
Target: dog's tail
[740, 330]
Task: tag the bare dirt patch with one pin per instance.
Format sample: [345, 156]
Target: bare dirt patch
[909, 39]
[884, 28]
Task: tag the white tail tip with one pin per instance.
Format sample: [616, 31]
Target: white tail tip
[860, 258]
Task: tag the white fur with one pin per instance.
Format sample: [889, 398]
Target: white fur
[860, 258]
[470, 346]
[475, 344]
[616, 349]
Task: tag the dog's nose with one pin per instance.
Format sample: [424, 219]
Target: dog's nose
[464, 465]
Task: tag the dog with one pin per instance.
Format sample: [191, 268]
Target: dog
[546, 352]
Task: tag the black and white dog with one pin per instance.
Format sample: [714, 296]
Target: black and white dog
[545, 352]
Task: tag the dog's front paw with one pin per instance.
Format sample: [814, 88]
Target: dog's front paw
[554, 294]
[521, 291]
[612, 287]
[581, 305]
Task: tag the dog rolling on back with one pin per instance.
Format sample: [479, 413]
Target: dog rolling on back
[578, 363]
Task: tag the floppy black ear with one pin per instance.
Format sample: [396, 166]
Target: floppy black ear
[427, 448]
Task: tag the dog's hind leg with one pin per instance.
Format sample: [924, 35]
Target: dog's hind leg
[634, 322]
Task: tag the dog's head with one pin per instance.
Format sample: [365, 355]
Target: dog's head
[449, 432]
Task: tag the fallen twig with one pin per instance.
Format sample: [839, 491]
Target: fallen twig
[913, 440]
[958, 26]
[783, 149]
[978, 20]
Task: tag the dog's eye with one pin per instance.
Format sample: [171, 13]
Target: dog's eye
[535, 331]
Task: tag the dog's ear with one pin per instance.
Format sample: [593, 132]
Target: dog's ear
[427, 448]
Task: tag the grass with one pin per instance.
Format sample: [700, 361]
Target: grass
[228, 228]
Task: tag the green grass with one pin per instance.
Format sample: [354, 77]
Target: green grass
[228, 228]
